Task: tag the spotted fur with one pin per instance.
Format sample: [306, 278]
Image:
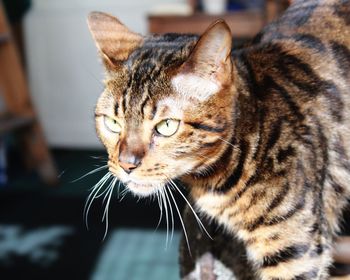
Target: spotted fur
[263, 141]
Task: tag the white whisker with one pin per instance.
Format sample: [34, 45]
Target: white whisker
[222, 139]
[90, 172]
[166, 216]
[121, 199]
[124, 192]
[100, 158]
[160, 208]
[105, 213]
[61, 174]
[95, 190]
[182, 223]
[104, 191]
[172, 215]
[118, 190]
[123, 196]
[189, 204]
[108, 188]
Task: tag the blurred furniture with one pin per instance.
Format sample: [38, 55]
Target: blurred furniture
[342, 250]
[20, 116]
[15, 11]
[243, 23]
[274, 8]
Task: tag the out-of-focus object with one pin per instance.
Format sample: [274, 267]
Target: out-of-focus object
[183, 9]
[214, 7]
[15, 11]
[20, 114]
[243, 23]
[245, 4]
[274, 8]
[341, 252]
[64, 71]
[341, 257]
[193, 4]
[3, 176]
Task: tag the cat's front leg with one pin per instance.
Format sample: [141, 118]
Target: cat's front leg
[289, 240]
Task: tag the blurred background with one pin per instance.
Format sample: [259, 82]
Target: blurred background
[50, 79]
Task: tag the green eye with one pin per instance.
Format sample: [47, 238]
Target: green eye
[167, 127]
[112, 124]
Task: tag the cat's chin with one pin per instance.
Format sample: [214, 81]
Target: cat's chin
[142, 189]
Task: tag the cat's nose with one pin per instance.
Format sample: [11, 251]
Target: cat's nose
[129, 164]
[130, 155]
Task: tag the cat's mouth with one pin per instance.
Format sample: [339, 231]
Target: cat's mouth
[137, 186]
[143, 189]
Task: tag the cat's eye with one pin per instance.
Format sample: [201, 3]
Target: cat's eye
[167, 127]
[112, 124]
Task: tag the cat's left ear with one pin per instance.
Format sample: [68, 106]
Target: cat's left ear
[113, 39]
[209, 67]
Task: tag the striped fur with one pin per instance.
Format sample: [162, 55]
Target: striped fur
[266, 155]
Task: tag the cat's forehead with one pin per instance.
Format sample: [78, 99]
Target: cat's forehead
[158, 53]
[144, 82]
[157, 45]
[148, 64]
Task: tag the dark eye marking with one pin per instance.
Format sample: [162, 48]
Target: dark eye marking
[154, 111]
[205, 127]
[116, 107]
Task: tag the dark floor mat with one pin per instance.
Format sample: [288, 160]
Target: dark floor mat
[43, 236]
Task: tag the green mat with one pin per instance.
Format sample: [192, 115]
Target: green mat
[138, 255]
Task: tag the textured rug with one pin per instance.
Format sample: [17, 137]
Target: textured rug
[44, 237]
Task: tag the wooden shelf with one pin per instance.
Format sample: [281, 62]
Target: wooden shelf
[242, 23]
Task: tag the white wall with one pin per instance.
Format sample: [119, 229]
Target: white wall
[64, 72]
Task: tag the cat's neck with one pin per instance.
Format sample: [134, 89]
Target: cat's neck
[232, 167]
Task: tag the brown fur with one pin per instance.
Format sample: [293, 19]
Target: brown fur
[264, 132]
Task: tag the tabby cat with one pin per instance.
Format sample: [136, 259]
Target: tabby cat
[259, 136]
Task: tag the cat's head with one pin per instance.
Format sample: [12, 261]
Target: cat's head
[166, 110]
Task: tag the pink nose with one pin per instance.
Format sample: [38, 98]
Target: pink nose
[128, 167]
[130, 158]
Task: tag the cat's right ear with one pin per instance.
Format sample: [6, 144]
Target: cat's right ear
[209, 67]
[113, 39]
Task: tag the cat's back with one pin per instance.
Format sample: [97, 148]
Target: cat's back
[301, 66]
[321, 20]
[317, 32]
[306, 53]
